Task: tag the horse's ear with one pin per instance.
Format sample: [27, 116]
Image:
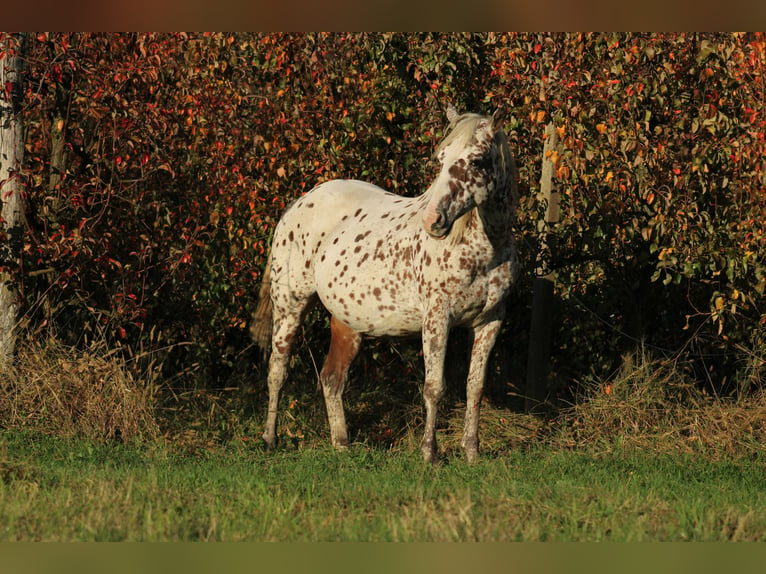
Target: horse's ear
[497, 119]
[452, 114]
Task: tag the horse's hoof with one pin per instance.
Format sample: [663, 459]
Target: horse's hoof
[472, 456]
[269, 442]
[430, 456]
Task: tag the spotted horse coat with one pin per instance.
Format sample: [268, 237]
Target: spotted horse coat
[387, 265]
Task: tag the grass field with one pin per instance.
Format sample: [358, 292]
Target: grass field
[74, 490]
[86, 454]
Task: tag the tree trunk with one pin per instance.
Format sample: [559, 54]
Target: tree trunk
[11, 159]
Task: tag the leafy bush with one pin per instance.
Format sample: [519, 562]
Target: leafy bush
[148, 227]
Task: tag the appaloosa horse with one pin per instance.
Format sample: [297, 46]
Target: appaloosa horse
[386, 265]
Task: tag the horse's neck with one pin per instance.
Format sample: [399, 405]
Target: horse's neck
[494, 221]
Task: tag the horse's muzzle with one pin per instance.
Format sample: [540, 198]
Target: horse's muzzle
[435, 223]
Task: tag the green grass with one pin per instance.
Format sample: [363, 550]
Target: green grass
[58, 489]
[89, 452]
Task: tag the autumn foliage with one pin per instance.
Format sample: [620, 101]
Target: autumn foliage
[158, 165]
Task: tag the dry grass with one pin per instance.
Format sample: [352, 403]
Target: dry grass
[94, 394]
[652, 404]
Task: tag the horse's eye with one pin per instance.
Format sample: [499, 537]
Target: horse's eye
[482, 162]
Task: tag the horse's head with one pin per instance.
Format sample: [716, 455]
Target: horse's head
[473, 166]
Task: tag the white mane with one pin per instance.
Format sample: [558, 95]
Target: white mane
[463, 128]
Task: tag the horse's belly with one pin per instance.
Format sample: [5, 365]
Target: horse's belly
[383, 324]
[365, 305]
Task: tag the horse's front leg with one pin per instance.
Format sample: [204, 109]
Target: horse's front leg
[483, 342]
[435, 332]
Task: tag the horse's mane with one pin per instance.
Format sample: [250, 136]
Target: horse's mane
[462, 130]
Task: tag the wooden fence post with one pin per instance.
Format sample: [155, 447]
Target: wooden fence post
[540, 327]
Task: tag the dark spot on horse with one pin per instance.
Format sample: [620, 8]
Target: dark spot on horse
[322, 258]
[308, 263]
[361, 236]
[385, 215]
[337, 263]
[334, 241]
[376, 292]
[309, 205]
[457, 170]
[291, 236]
[342, 253]
[357, 249]
[362, 218]
[427, 260]
[363, 259]
[358, 211]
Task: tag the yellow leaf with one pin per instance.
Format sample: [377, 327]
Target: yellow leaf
[281, 172]
[601, 128]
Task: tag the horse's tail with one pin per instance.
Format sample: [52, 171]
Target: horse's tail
[260, 326]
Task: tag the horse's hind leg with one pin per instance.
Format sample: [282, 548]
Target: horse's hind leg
[344, 346]
[286, 324]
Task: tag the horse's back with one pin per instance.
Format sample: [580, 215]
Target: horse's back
[329, 242]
